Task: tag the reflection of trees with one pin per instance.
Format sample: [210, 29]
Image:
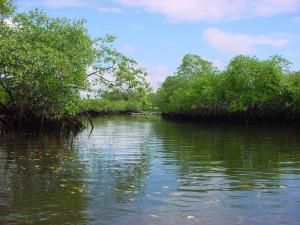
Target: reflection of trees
[237, 154]
[119, 161]
[101, 176]
[40, 181]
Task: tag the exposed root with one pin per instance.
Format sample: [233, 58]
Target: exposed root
[15, 120]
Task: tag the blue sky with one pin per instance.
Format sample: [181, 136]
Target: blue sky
[158, 33]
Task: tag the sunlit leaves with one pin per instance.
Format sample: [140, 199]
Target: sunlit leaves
[44, 65]
[245, 84]
[248, 81]
[194, 84]
[6, 8]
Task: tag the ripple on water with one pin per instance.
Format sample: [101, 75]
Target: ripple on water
[150, 171]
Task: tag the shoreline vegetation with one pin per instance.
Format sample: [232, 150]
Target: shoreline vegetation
[46, 64]
[248, 90]
[109, 107]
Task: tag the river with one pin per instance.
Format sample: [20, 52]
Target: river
[140, 171]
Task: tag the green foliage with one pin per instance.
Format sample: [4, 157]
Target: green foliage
[6, 8]
[109, 106]
[120, 83]
[294, 84]
[247, 83]
[194, 65]
[46, 62]
[195, 83]
[43, 63]
[116, 76]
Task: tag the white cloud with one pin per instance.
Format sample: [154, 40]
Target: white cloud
[157, 74]
[10, 23]
[214, 10]
[239, 43]
[127, 48]
[110, 10]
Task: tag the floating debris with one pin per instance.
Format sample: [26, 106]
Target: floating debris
[283, 187]
[154, 216]
[176, 193]
[80, 190]
[190, 217]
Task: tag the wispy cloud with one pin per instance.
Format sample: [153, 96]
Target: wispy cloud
[214, 10]
[10, 23]
[157, 74]
[110, 10]
[239, 43]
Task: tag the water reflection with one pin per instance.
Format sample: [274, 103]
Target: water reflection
[37, 185]
[119, 165]
[134, 170]
[234, 174]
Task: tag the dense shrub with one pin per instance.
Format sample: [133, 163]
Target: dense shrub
[247, 86]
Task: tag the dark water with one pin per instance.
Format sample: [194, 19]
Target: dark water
[133, 170]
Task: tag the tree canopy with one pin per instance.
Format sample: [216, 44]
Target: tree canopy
[45, 63]
[6, 8]
[247, 84]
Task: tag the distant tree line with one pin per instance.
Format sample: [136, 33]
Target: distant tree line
[248, 88]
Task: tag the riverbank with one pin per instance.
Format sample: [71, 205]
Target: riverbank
[16, 121]
[104, 106]
[22, 121]
[223, 116]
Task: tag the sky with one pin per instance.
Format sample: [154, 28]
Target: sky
[158, 33]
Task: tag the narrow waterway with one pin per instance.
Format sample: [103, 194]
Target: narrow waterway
[137, 170]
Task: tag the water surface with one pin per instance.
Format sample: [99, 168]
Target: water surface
[136, 170]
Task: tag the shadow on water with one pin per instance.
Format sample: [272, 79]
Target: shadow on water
[134, 170]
